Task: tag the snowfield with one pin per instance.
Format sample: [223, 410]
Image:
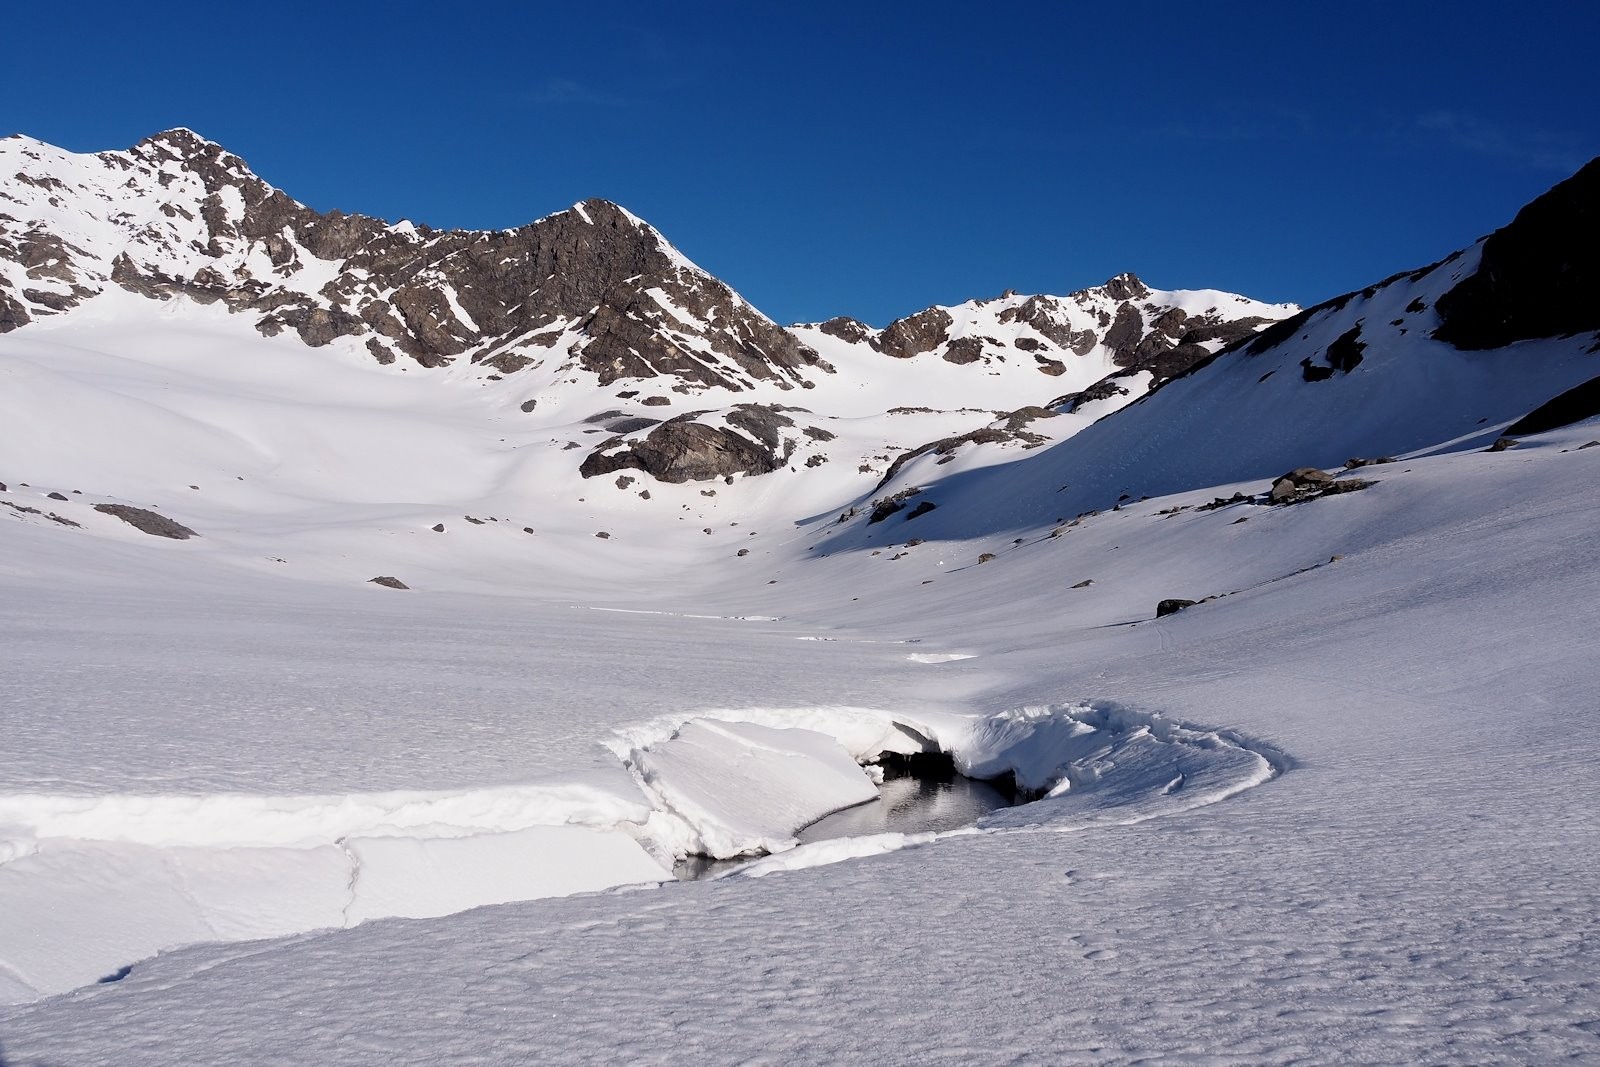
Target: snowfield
[1339, 805]
[1418, 886]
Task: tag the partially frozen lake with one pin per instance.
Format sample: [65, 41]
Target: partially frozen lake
[914, 803]
[923, 796]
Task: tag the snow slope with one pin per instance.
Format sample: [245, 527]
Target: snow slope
[1418, 886]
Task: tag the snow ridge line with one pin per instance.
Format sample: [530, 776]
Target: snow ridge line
[246, 820]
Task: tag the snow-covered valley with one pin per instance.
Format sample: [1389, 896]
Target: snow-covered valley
[1335, 800]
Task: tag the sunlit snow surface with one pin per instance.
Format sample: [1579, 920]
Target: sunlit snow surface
[1412, 878]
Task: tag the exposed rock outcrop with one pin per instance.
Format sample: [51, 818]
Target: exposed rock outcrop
[751, 439]
[146, 521]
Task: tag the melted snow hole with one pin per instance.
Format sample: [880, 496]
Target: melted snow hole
[921, 793]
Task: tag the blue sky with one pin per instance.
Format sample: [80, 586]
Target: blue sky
[871, 159]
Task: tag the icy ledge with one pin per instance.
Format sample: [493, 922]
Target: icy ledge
[89, 885]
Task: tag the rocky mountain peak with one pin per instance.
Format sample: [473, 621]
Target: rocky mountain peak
[180, 142]
[1126, 286]
[593, 287]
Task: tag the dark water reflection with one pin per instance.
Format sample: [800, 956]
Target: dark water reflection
[912, 806]
[906, 804]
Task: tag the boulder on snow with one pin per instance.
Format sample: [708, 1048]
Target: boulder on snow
[1309, 483]
[146, 521]
[388, 582]
[1503, 443]
[1170, 607]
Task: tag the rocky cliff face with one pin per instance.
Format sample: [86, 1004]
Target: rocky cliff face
[177, 215]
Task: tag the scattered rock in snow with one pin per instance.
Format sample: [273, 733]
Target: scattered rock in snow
[1357, 461]
[986, 557]
[146, 521]
[1086, 583]
[388, 582]
[1503, 443]
[1222, 502]
[889, 505]
[921, 509]
[1169, 607]
[603, 536]
[439, 528]
[56, 496]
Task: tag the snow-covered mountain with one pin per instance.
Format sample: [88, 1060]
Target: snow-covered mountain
[574, 370]
[591, 287]
[590, 300]
[1447, 356]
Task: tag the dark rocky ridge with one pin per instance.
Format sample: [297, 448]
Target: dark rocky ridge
[592, 277]
[1539, 276]
[1582, 401]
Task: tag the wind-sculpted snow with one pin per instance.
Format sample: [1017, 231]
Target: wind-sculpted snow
[91, 884]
